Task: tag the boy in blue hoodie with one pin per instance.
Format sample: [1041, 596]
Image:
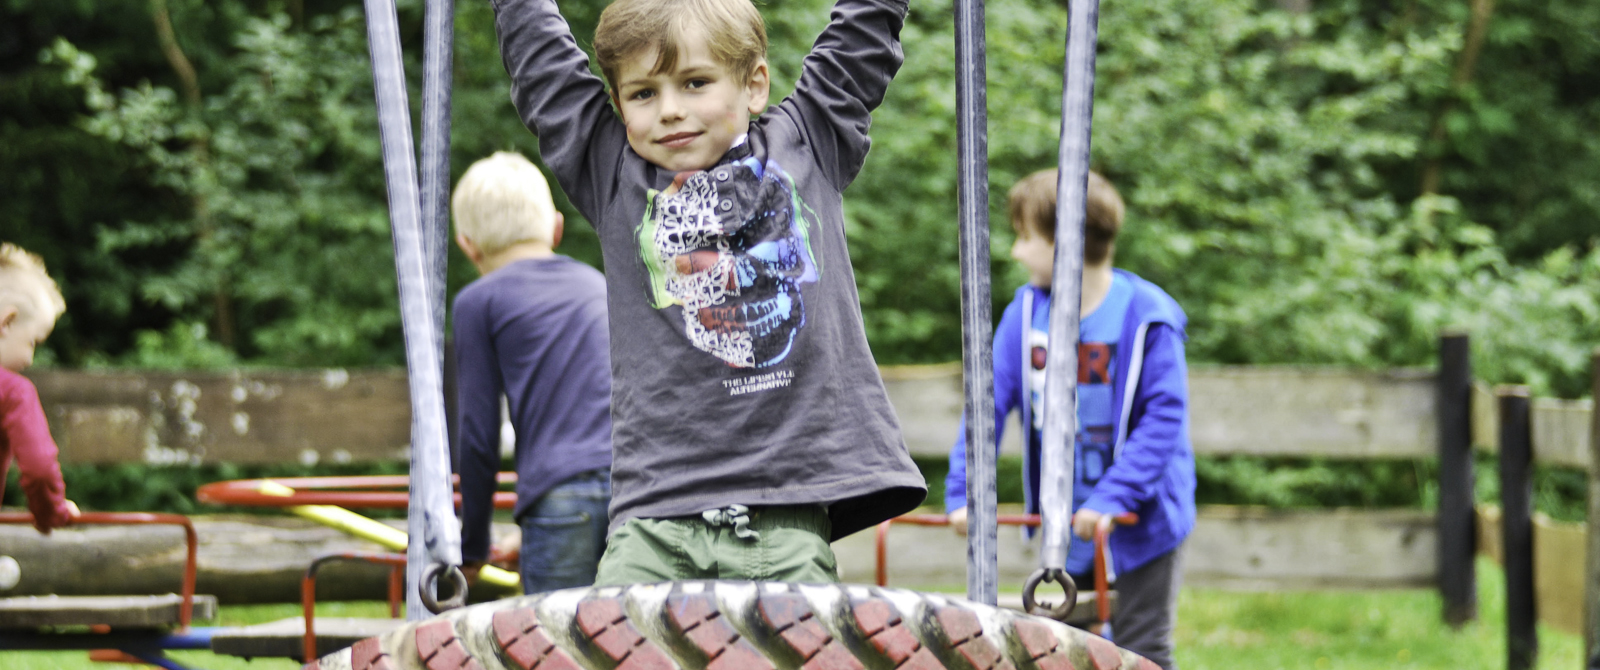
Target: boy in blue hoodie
[1132, 450]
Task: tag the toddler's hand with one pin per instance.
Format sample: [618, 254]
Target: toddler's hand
[958, 521]
[72, 510]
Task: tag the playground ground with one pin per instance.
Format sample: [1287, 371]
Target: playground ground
[1217, 630]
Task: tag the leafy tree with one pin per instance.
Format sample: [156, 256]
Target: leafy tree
[1327, 182]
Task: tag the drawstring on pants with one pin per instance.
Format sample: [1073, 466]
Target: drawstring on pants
[737, 516]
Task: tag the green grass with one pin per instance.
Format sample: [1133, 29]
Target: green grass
[1327, 630]
[242, 615]
[1217, 630]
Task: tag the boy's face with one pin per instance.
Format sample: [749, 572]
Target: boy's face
[687, 118]
[19, 337]
[1037, 254]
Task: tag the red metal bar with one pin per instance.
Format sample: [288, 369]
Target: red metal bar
[397, 590]
[308, 589]
[933, 520]
[1102, 584]
[186, 612]
[365, 492]
[1102, 536]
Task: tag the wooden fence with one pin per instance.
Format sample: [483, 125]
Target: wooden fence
[363, 415]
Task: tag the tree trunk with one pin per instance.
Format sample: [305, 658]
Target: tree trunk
[1466, 64]
[221, 301]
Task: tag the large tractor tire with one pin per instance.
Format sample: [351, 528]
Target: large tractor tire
[733, 626]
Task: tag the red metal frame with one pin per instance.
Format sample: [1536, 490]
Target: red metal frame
[186, 612]
[356, 492]
[1102, 535]
[308, 588]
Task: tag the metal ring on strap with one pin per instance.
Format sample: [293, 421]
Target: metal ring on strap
[1059, 576]
[430, 582]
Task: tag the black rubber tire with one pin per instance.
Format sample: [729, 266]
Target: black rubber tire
[734, 626]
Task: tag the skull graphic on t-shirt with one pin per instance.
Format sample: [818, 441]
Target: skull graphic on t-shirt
[729, 247]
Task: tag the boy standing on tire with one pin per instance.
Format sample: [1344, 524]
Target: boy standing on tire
[30, 303]
[751, 427]
[534, 329]
[1132, 450]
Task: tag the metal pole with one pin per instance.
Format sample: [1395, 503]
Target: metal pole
[430, 512]
[1457, 525]
[1516, 525]
[1066, 287]
[977, 320]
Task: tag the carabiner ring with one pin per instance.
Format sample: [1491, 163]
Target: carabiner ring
[430, 584]
[1059, 576]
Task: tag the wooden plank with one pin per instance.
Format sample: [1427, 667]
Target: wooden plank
[235, 417]
[1232, 547]
[1285, 411]
[242, 559]
[157, 611]
[1560, 553]
[1562, 429]
[1485, 418]
[1251, 548]
[927, 400]
[364, 415]
[285, 638]
[1561, 432]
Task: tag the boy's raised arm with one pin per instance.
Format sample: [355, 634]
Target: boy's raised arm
[845, 78]
[560, 100]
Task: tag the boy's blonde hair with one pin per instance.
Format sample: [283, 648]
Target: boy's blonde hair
[503, 200]
[733, 30]
[26, 285]
[1032, 204]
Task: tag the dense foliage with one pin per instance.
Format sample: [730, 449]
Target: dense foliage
[1316, 182]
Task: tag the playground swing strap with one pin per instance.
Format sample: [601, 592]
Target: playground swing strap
[1066, 289]
[418, 214]
[420, 235]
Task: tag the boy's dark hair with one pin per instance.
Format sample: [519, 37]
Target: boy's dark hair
[734, 32]
[1032, 203]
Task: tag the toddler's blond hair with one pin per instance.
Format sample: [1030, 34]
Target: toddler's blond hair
[26, 285]
[503, 200]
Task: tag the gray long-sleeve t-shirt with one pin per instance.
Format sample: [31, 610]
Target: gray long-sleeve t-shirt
[741, 371]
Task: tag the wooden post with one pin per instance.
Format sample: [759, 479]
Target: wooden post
[1591, 611]
[1458, 585]
[1516, 525]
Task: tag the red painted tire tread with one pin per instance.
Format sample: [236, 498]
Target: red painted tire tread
[729, 626]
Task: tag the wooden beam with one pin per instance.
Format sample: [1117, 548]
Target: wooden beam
[1458, 586]
[1516, 526]
[364, 415]
[1247, 548]
[234, 417]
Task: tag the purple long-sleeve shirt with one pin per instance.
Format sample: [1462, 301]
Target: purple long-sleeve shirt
[534, 330]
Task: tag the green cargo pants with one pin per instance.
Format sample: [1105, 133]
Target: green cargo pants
[778, 543]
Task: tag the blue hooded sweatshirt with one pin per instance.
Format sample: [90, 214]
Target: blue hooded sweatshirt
[1152, 472]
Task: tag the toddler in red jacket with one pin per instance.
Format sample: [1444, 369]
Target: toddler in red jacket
[30, 303]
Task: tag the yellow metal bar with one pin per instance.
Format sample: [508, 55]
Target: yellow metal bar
[392, 538]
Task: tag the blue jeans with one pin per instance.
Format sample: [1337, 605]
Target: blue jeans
[564, 533]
